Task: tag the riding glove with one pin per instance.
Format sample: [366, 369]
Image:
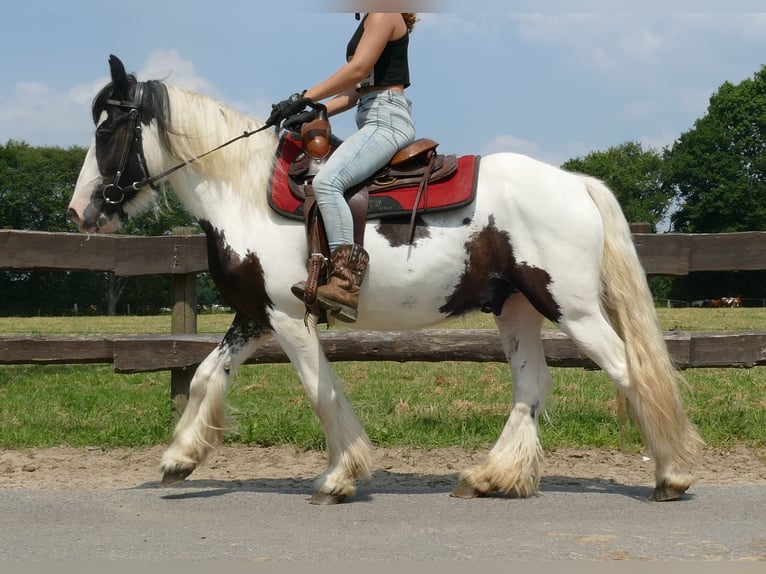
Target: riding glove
[295, 122]
[286, 108]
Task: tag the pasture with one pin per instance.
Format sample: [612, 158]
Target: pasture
[422, 405]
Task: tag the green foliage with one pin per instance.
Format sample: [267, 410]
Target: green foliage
[717, 170]
[635, 177]
[36, 185]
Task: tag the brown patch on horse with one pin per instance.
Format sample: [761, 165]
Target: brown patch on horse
[492, 274]
[396, 230]
[240, 279]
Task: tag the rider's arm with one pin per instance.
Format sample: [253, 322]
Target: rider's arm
[342, 102]
[379, 28]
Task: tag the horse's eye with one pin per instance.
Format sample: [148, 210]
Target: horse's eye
[103, 135]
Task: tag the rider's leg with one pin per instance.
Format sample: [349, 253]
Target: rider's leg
[385, 126]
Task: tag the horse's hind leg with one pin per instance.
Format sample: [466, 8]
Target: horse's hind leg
[653, 398]
[513, 465]
[348, 447]
[201, 426]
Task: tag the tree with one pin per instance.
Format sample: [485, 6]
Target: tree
[635, 177]
[717, 170]
[35, 187]
[36, 184]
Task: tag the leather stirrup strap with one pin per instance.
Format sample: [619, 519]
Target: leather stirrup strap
[422, 191]
[317, 260]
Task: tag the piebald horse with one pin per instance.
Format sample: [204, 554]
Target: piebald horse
[537, 243]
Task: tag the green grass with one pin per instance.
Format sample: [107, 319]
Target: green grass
[681, 319]
[422, 405]
[81, 406]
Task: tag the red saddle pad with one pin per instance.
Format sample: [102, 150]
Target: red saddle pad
[457, 190]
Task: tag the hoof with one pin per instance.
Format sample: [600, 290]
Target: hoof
[664, 492]
[170, 478]
[324, 499]
[465, 490]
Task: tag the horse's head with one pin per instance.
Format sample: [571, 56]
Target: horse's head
[111, 184]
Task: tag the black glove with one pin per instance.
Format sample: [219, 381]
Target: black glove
[286, 108]
[294, 123]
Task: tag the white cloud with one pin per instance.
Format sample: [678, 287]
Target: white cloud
[36, 113]
[640, 47]
[640, 109]
[641, 44]
[605, 42]
[665, 137]
[462, 24]
[40, 114]
[169, 65]
[508, 143]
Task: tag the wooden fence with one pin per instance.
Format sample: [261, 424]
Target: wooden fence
[184, 256]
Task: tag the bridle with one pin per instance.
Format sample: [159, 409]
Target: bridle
[112, 193]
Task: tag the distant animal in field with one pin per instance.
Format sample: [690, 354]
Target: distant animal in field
[734, 302]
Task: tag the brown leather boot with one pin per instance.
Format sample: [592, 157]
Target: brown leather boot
[341, 294]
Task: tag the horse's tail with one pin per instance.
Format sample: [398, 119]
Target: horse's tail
[629, 307]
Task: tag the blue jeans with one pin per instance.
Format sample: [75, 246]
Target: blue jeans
[385, 126]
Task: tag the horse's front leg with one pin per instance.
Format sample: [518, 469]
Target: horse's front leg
[203, 421]
[348, 447]
[513, 465]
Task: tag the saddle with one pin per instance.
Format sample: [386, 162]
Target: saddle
[416, 180]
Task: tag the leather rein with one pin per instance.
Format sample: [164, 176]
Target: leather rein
[112, 193]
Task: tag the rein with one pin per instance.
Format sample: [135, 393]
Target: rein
[134, 131]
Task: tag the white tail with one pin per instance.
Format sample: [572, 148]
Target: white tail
[627, 301]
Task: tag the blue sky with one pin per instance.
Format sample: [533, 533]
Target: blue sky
[553, 79]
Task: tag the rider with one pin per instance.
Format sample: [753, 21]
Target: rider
[374, 78]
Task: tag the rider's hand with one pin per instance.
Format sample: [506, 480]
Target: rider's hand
[286, 108]
[294, 122]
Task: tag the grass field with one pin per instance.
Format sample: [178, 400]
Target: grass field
[422, 405]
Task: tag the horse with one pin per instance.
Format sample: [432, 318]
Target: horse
[734, 302]
[536, 243]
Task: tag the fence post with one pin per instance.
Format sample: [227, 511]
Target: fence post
[183, 321]
[641, 227]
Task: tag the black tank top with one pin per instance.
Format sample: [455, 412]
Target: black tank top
[392, 67]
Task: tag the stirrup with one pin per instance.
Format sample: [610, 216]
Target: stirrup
[339, 311]
[299, 290]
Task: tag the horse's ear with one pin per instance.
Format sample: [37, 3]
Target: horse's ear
[119, 76]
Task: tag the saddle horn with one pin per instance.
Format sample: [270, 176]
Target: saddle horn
[316, 135]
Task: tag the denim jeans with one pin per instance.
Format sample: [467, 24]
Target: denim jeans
[385, 126]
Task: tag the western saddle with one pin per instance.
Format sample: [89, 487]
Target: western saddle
[414, 166]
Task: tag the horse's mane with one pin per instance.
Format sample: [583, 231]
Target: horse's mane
[191, 124]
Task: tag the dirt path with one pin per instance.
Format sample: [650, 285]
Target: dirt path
[94, 468]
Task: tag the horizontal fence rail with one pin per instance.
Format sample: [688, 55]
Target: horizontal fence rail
[660, 254]
[123, 255]
[144, 353]
[183, 256]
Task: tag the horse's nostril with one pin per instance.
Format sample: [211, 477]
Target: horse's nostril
[74, 216]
